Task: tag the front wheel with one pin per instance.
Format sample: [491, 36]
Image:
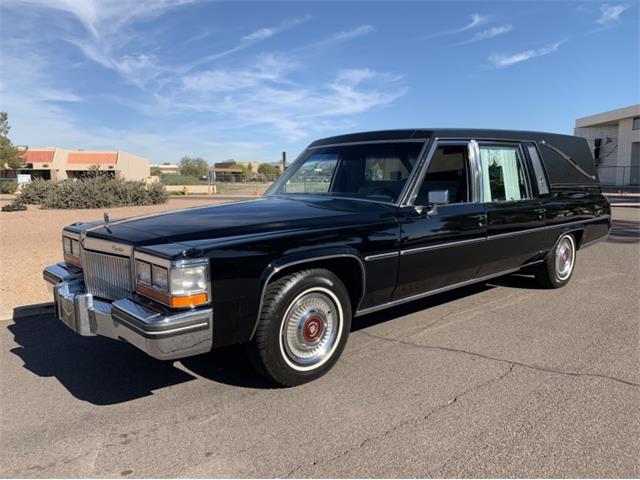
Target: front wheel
[557, 268]
[303, 327]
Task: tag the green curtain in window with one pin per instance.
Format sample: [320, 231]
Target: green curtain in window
[507, 160]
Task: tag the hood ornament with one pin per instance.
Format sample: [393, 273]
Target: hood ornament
[106, 222]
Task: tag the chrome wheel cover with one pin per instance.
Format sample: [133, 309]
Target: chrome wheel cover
[311, 328]
[565, 257]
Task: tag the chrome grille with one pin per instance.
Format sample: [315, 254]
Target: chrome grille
[107, 276]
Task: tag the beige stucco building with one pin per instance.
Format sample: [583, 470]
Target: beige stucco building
[59, 164]
[614, 138]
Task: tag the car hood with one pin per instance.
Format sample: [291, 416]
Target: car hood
[253, 217]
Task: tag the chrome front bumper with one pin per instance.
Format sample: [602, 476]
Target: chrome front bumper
[161, 334]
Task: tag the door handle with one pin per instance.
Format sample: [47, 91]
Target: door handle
[541, 213]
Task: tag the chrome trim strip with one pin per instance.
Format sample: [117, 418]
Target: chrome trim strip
[365, 142]
[105, 246]
[409, 251]
[308, 260]
[380, 256]
[418, 296]
[517, 232]
[500, 235]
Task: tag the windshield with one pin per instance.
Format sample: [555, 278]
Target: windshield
[373, 171]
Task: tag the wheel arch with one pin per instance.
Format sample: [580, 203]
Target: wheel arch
[346, 264]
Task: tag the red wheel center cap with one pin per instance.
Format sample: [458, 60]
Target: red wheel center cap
[565, 256]
[312, 329]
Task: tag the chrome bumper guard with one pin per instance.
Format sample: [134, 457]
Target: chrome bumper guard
[159, 333]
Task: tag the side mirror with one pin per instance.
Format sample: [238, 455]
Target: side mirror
[435, 198]
[438, 197]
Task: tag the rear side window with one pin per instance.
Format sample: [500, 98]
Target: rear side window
[538, 170]
[503, 174]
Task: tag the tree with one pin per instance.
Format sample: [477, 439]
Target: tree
[268, 170]
[155, 171]
[247, 173]
[194, 167]
[11, 157]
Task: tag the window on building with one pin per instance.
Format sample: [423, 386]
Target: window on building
[636, 123]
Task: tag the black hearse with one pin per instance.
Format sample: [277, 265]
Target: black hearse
[357, 224]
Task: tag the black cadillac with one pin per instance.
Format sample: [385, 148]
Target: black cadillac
[358, 223]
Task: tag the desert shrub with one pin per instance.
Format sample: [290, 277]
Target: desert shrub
[93, 191]
[8, 187]
[33, 193]
[14, 206]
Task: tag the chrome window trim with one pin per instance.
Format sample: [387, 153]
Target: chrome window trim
[409, 199]
[523, 164]
[397, 202]
[477, 193]
[308, 260]
[429, 293]
[365, 142]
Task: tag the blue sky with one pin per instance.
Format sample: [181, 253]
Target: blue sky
[246, 80]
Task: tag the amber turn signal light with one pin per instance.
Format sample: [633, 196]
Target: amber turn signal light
[188, 300]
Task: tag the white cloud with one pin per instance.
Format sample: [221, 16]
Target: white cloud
[208, 108]
[488, 33]
[610, 14]
[476, 20]
[268, 68]
[271, 96]
[353, 33]
[502, 60]
[249, 40]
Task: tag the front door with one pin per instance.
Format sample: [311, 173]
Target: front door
[439, 245]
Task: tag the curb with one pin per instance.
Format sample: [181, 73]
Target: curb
[26, 311]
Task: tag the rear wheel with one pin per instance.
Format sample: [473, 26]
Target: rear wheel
[557, 268]
[303, 327]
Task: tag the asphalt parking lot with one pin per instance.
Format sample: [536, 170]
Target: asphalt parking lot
[500, 379]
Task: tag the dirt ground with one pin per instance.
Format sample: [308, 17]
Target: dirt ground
[30, 240]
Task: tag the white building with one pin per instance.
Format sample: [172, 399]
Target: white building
[614, 138]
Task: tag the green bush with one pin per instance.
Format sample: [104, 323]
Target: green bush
[8, 187]
[176, 179]
[93, 191]
[34, 193]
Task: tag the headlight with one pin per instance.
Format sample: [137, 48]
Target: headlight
[188, 280]
[179, 284]
[143, 272]
[71, 249]
[160, 278]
